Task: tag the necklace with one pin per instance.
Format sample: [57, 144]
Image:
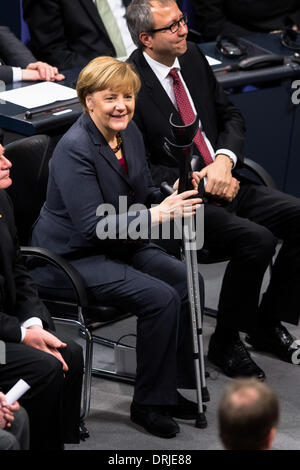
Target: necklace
[119, 143]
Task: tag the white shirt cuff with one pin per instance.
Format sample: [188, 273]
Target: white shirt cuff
[23, 333]
[17, 74]
[30, 322]
[229, 153]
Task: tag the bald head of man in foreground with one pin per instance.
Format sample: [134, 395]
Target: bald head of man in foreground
[248, 415]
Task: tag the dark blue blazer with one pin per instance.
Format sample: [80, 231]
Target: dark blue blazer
[84, 174]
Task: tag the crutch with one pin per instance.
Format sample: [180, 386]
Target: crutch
[181, 150]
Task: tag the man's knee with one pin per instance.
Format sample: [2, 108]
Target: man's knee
[73, 355]
[260, 244]
[50, 367]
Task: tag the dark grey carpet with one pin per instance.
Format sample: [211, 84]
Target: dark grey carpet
[111, 429]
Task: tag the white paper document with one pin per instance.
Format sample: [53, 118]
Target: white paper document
[210, 60]
[16, 391]
[39, 94]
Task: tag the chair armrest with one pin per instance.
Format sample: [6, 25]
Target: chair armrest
[64, 266]
[260, 172]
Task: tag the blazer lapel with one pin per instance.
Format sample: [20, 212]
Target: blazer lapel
[105, 150]
[111, 159]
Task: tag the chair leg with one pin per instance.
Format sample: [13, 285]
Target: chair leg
[87, 372]
[106, 373]
[87, 380]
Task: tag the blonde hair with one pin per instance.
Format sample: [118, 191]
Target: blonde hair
[106, 73]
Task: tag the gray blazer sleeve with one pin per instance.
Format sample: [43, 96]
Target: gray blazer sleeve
[6, 73]
[13, 53]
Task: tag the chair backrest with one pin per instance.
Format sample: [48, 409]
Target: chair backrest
[29, 157]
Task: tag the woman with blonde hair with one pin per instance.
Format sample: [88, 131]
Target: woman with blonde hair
[99, 213]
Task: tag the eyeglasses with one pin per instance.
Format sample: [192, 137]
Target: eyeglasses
[174, 26]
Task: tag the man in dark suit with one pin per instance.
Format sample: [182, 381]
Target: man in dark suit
[214, 17]
[242, 220]
[18, 63]
[51, 368]
[70, 33]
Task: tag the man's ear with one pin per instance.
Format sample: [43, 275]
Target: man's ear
[146, 39]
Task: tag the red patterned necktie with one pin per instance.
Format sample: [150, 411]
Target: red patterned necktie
[188, 115]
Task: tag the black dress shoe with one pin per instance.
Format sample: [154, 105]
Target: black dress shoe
[233, 359]
[185, 409]
[154, 419]
[278, 341]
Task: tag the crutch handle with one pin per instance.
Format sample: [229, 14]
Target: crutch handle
[166, 189]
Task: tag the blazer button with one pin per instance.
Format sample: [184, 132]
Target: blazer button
[131, 193]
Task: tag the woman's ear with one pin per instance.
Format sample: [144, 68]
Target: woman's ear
[89, 101]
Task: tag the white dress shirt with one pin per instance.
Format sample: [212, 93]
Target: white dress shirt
[17, 74]
[30, 322]
[162, 73]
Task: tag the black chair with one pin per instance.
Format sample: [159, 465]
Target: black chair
[30, 157]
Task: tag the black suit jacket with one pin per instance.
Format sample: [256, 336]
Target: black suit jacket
[243, 17]
[67, 33]
[18, 295]
[221, 121]
[13, 53]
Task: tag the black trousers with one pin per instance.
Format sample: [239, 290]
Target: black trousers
[54, 399]
[155, 289]
[247, 231]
